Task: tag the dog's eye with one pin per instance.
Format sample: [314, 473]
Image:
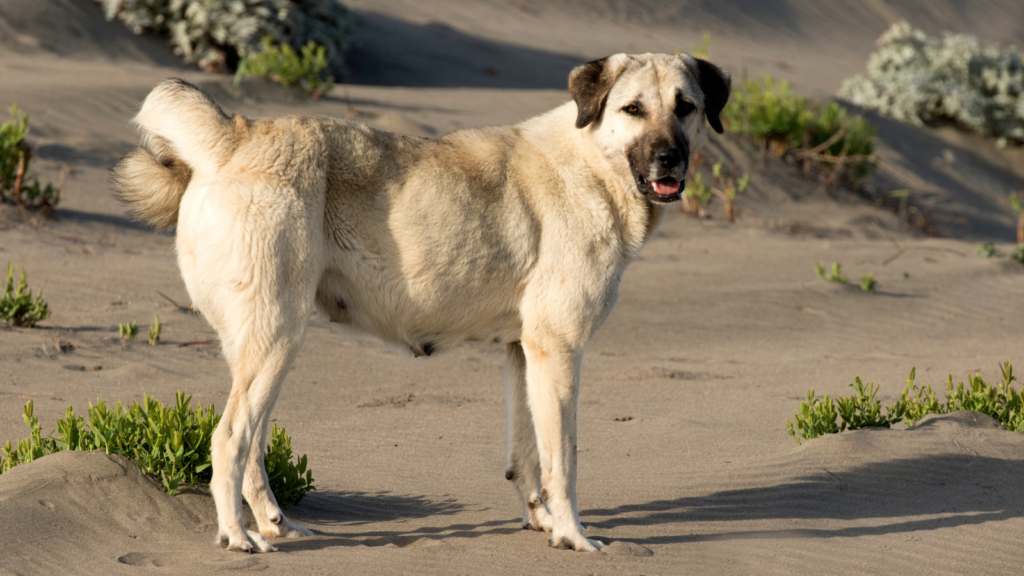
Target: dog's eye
[632, 110]
[684, 108]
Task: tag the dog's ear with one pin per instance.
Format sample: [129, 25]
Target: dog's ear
[716, 85]
[589, 85]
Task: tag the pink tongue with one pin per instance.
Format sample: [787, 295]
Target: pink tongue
[666, 186]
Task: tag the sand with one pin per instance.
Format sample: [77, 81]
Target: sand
[719, 332]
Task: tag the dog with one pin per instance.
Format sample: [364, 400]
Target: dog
[514, 235]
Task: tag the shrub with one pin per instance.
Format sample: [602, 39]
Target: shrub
[923, 80]
[169, 442]
[17, 305]
[282, 65]
[987, 250]
[215, 34]
[15, 158]
[820, 136]
[1018, 253]
[1002, 402]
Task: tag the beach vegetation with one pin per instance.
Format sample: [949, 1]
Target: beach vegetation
[170, 442]
[821, 137]
[1001, 401]
[218, 34]
[955, 79]
[17, 305]
[867, 282]
[154, 330]
[128, 330]
[835, 274]
[280, 63]
[16, 184]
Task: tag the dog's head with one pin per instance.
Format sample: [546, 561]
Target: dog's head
[648, 112]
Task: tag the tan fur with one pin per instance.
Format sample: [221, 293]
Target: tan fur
[513, 235]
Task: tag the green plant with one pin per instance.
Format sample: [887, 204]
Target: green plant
[867, 282]
[987, 250]
[1018, 253]
[696, 195]
[128, 330]
[817, 417]
[154, 330]
[821, 136]
[730, 188]
[1018, 206]
[17, 305]
[15, 158]
[170, 442]
[1002, 402]
[217, 33]
[836, 275]
[281, 64]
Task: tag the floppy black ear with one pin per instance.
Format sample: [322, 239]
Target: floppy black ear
[589, 85]
[716, 85]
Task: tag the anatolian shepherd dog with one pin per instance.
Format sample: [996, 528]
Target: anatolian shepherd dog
[512, 235]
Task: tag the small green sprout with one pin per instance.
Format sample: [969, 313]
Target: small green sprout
[128, 330]
[867, 282]
[154, 330]
[836, 275]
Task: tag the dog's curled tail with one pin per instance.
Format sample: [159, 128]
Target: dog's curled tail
[183, 131]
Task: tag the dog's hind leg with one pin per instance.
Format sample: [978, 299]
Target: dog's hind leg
[253, 273]
[256, 489]
[523, 461]
[552, 387]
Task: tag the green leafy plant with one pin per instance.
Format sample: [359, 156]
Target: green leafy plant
[696, 195]
[867, 282]
[987, 250]
[821, 136]
[281, 64]
[1018, 253]
[835, 275]
[729, 188]
[170, 442]
[1018, 206]
[16, 304]
[216, 33]
[154, 330]
[15, 158]
[128, 330]
[816, 417]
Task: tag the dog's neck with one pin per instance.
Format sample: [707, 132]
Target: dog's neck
[556, 130]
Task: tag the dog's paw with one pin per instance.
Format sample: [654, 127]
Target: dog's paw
[577, 542]
[249, 541]
[284, 528]
[539, 518]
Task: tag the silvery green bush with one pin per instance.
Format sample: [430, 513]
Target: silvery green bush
[214, 33]
[923, 80]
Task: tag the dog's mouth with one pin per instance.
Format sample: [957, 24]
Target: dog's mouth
[661, 190]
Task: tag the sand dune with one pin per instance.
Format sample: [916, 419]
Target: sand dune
[719, 332]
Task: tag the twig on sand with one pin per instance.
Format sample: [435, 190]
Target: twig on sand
[186, 309]
[196, 343]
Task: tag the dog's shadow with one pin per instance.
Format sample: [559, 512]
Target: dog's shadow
[361, 509]
[964, 490]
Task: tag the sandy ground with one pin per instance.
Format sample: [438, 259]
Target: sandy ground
[719, 332]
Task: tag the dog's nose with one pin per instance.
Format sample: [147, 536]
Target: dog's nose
[669, 157]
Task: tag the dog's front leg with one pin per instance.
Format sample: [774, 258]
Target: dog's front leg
[552, 385]
[523, 468]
